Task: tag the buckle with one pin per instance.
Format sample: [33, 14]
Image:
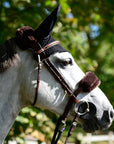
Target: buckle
[82, 107]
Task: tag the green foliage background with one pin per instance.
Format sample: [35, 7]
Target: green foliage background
[85, 28]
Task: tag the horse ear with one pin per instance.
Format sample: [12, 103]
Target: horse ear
[47, 25]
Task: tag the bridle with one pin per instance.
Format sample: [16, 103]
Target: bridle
[73, 94]
[93, 82]
[53, 70]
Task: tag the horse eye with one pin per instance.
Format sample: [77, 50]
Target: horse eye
[67, 62]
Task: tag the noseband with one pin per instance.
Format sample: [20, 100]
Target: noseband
[87, 84]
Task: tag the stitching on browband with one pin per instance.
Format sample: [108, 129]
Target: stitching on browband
[47, 47]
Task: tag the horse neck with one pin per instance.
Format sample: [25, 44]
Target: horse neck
[9, 101]
[12, 96]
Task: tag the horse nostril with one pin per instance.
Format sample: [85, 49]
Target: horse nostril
[106, 116]
[112, 114]
[92, 109]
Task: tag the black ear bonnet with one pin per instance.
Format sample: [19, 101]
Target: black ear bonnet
[27, 38]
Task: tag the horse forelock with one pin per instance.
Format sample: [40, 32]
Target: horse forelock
[8, 55]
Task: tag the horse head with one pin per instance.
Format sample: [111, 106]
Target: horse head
[21, 70]
[54, 97]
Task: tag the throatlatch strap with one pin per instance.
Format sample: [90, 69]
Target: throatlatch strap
[38, 79]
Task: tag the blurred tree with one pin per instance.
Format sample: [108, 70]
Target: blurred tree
[84, 27]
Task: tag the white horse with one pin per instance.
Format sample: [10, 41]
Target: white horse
[18, 81]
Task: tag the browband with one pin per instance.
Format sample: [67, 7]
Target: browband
[47, 47]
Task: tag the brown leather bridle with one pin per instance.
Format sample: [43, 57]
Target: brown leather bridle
[73, 94]
[53, 70]
[88, 83]
[50, 66]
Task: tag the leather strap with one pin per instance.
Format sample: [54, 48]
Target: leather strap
[38, 80]
[39, 65]
[47, 47]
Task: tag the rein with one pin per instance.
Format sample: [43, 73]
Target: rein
[58, 76]
[87, 84]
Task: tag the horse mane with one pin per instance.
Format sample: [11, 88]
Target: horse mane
[8, 55]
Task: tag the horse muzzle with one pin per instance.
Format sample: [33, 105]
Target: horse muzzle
[89, 120]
